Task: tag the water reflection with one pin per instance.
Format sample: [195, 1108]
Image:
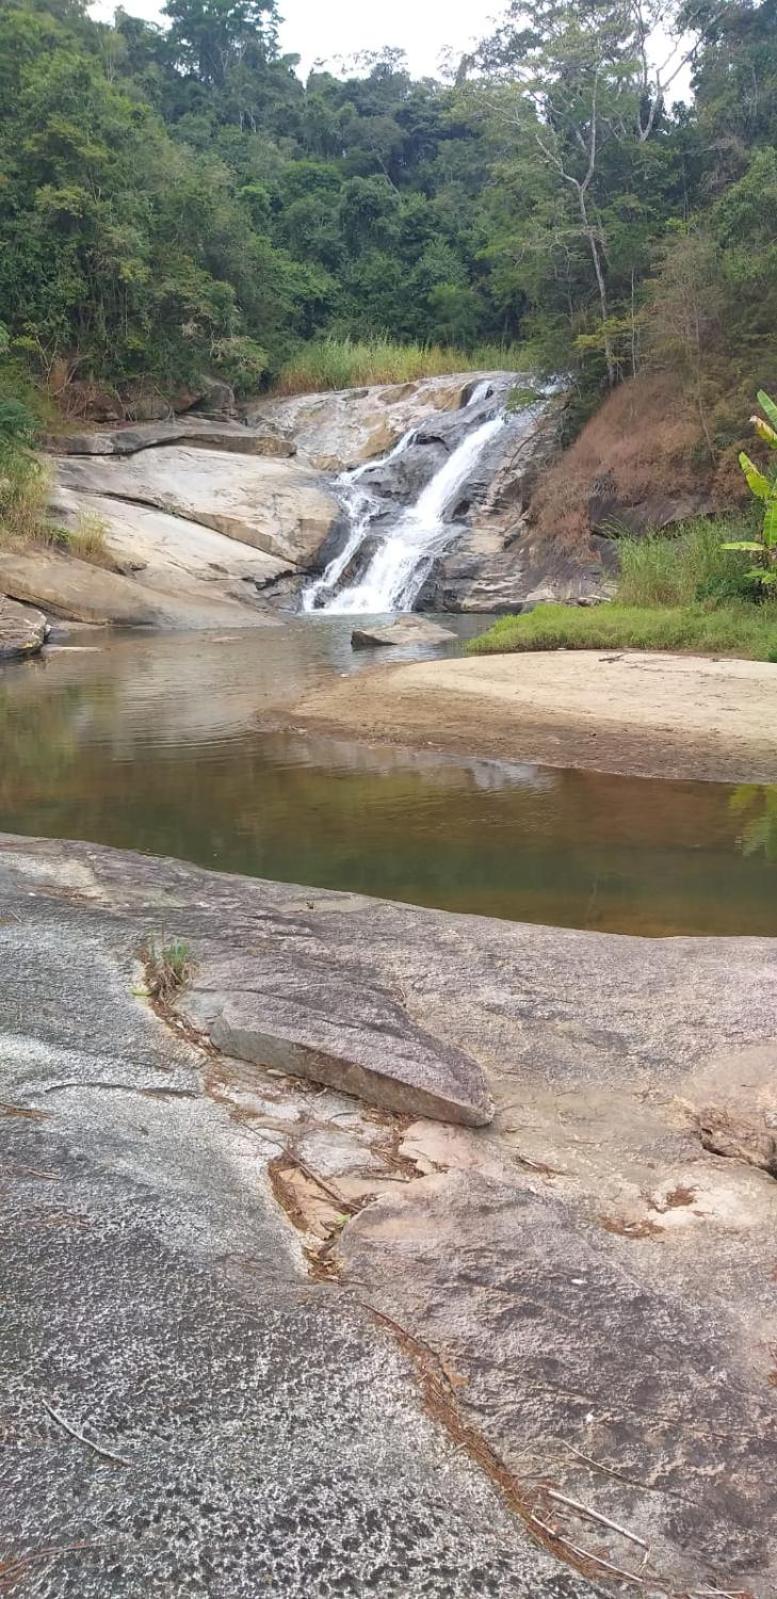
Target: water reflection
[165, 745]
[756, 803]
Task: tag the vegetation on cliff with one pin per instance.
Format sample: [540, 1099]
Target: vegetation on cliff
[175, 202]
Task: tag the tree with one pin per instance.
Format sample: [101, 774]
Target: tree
[208, 37]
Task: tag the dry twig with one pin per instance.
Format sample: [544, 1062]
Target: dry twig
[107, 1454]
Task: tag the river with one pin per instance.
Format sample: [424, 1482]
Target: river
[181, 745]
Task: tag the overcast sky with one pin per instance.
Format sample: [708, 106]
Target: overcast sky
[326, 29]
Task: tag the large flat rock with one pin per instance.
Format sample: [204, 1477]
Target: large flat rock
[22, 630]
[183, 1411]
[629, 1407]
[170, 555]
[132, 437]
[585, 1285]
[77, 591]
[277, 506]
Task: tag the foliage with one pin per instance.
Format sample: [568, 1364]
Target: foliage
[23, 496]
[175, 202]
[694, 564]
[344, 363]
[764, 489]
[733, 629]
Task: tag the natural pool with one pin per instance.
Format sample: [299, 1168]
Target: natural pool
[155, 743]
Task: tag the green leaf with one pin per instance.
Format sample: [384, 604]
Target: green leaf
[756, 482]
[745, 544]
[769, 578]
[768, 406]
[770, 524]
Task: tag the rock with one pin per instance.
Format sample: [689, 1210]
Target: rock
[585, 1289]
[177, 558]
[346, 428]
[279, 507]
[157, 1299]
[556, 1350]
[22, 630]
[65, 587]
[405, 630]
[315, 1018]
[129, 439]
[490, 569]
[218, 398]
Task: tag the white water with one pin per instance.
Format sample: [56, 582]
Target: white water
[361, 506]
[400, 566]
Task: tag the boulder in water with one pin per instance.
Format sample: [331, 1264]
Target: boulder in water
[405, 630]
[22, 630]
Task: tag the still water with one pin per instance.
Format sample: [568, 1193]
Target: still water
[166, 744]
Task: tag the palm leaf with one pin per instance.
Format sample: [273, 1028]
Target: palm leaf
[756, 482]
[764, 431]
[768, 406]
[770, 523]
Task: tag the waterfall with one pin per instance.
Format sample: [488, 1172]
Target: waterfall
[398, 569]
[360, 506]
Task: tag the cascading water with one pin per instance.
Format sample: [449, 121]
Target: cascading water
[397, 571]
[361, 506]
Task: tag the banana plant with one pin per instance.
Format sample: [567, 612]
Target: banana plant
[764, 488]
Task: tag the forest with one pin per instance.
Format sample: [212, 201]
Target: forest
[175, 201]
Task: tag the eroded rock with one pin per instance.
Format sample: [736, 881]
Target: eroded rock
[65, 587]
[233, 437]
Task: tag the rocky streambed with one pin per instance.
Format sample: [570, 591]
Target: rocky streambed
[219, 523]
[263, 1335]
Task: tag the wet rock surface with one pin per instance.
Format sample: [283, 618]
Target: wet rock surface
[584, 1289]
[22, 630]
[338, 431]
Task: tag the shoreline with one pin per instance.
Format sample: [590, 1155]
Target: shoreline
[627, 713]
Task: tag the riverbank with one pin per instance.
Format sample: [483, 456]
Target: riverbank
[648, 715]
[328, 1341]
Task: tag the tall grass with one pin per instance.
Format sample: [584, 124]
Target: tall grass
[352, 363]
[24, 491]
[691, 565]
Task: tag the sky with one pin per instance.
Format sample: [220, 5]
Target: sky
[331, 30]
[327, 29]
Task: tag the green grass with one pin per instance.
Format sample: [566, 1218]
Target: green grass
[167, 969]
[674, 592]
[348, 363]
[734, 628]
[691, 565]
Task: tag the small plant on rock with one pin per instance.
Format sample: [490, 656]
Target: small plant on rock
[764, 488]
[167, 969]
